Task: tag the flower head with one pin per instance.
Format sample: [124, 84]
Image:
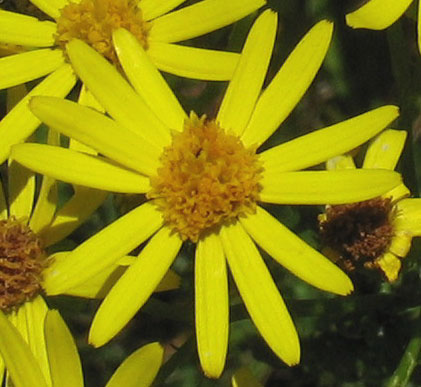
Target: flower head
[153, 24]
[376, 233]
[205, 182]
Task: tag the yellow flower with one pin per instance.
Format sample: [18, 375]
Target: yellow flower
[64, 368]
[191, 166]
[380, 14]
[376, 233]
[94, 21]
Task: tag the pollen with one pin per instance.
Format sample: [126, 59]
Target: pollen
[94, 21]
[22, 260]
[359, 232]
[207, 177]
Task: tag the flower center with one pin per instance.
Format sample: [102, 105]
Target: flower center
[206, 177]
[94, 21]
[21, 262]
[360, 232]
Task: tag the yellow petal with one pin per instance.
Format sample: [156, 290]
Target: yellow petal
[154, 8]
[79, 168]
[33, 314]
[21, 190]
[103, 249]
[140, 368]
[50, 7]
[114, 93]
[289, 84]
[294, 254]
[377, 14]
[401, 243]
[87, 99]
[399, 192]
[245, 87]
[327, 187]
[135, 286]
[390, 266]
[17, 125]
[259, 293]
[384, 151]
[200, 18]
[47, 201]
[211, 297]
[19, 360]
[244, 378]
[26, 66]
[66, 370]
[99, 285]
[26, 30]
[408, 216]
[147, 80]
[319, 146]
[340, 162]
[192, 62]
[73, 213]
[97, 131]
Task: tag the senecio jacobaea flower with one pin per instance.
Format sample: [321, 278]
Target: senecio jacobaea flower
[93, 21]
[380, 14]
[376, 233]
[204, 179]
[64, 367]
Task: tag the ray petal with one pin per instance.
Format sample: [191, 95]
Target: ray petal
[377, 14]
[327, 187]
[63, 357]
[19, 123]
[154, 8]
[19, 360]
[26, 30]
[408, 216]
[211, 297]
[103, 249]
[140, 368]
[135, 286]
[115, 94]
[245, 87]
[321, 145]
[192, 62]
[294, 254]
[73, 213]
[200, 18]
[79, 168]
[50, 7]
[147, 80]
[385, 150]
[289, 84]
[259, 293]
[20, 68]
[96, 130]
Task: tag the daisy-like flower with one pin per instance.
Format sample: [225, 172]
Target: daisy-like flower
[204, 179]
[376, 233]
[380, 14]
[65, 370]
[151, 22]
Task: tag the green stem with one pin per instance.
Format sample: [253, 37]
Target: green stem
[402, 374]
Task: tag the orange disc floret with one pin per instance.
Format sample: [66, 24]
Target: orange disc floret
[22, 260]
[206, 177]
[94, 21]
